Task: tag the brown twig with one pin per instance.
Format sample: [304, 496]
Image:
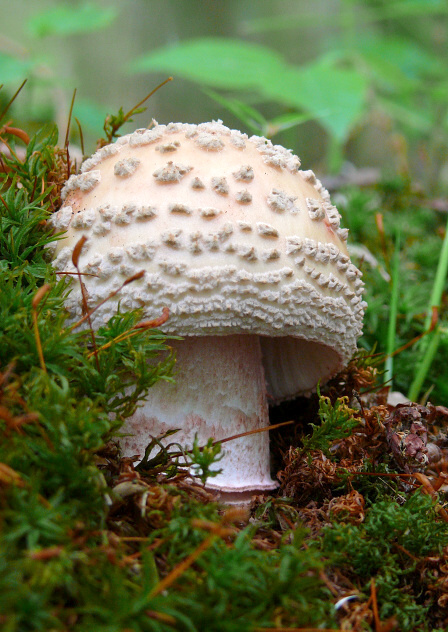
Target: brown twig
[376, 616]
[13, 98]
[242, 434]
[135, 330]
[86, 316]
[433, 323]
[161, 616]
[183, 566]
[4, 204]
[8, 476]
[76, 274]
[127, 116]
[15, 131]
[251, 432]
[67, 133]
[81, 136]
[216, 531]
[16, 422]
[429, 489]
[46, 554]
[75, 259]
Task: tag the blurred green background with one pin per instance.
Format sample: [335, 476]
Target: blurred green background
[336, 80]
[357, 88]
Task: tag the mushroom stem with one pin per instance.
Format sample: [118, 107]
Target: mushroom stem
[219, 392]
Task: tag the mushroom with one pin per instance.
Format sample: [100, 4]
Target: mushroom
[247, 252]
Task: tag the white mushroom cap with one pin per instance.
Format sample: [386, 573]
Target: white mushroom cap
[233, 237]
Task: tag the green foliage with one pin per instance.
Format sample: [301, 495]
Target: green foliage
[286, 580]
[42, 67]
[386, 546]
[235, 587]
[401, 285]
[54, 418]
[126, 367]
[23, 208]
[337, 422]
[171, 457]
[238, 65]
[114, 122]
[71, 20]
[372, 12]
[337, 94]
[370, 73]
[14, 69]
[217, 62]
[395, 282]
[372, 64]
[433, 338]
[254, 120]
[202, 458]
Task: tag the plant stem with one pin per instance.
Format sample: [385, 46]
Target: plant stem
[391, 333]
[335, 155]
[431, 343]
[424, 364]
[439, 281]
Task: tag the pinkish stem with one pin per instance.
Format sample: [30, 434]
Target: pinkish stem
[219, 392]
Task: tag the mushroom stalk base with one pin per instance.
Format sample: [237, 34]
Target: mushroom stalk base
[219, 392]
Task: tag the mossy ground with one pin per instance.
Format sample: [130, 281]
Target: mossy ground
[87, 542]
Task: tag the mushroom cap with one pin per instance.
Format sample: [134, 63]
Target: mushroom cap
[233, 238]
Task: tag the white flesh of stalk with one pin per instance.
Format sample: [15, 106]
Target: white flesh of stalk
[219, 392]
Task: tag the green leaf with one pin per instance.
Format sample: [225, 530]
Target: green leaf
[218, 62]
[366, 13]
[202, 458]
[408, 8]
[47, 136]
[407, 115]
[399, 63]
[254, 120]
[90, 114]
[286, 121]
[322, 89]
[251, 117]
[439, 92]
[68, 20]
[329, 93]
[13, 69]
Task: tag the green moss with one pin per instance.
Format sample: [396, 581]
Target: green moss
[390, 547]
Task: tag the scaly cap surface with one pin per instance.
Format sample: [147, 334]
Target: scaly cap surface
[233, 238]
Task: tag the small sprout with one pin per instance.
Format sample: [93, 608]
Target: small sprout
[337, 422]
[113, 123]
[203, 458]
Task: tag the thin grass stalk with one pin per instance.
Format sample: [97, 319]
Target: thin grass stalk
[425, 364]
[392, 329]
[430, 345]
